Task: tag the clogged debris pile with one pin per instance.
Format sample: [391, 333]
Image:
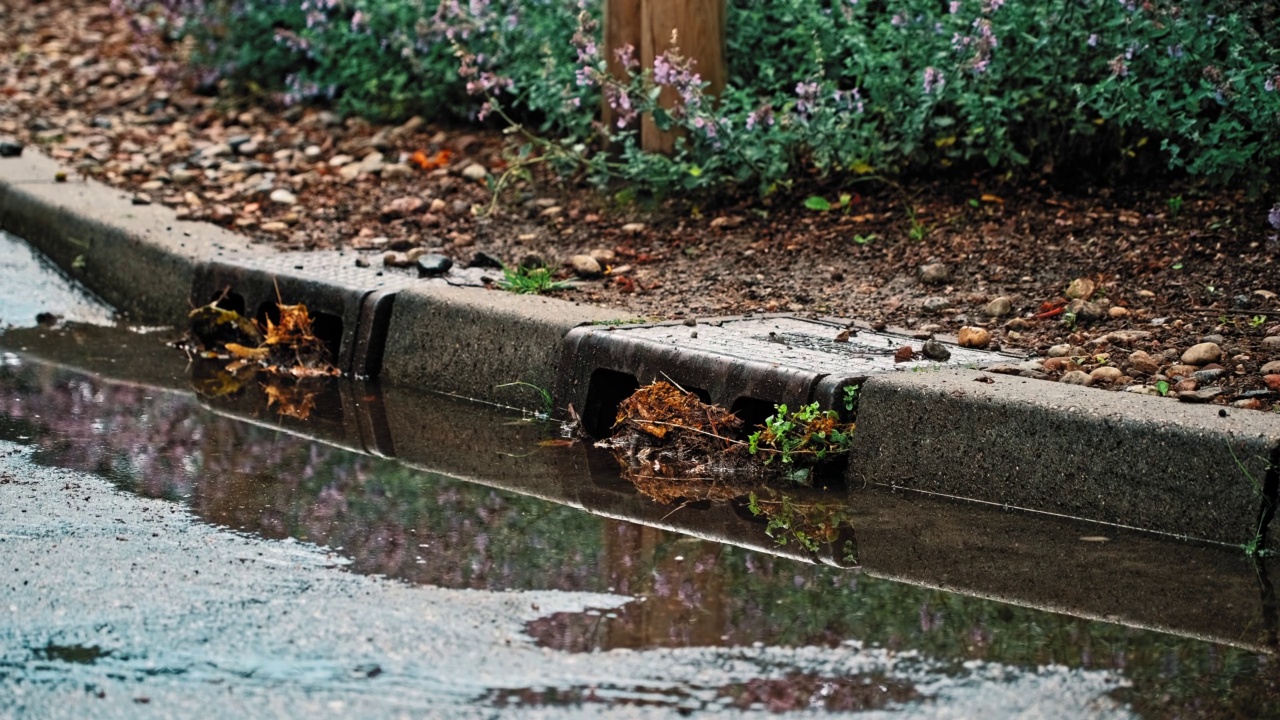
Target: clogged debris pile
[675, 448]
[671, 433]
[288, 347]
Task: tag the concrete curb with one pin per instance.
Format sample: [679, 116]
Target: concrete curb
[1137, 461]
[1120, 458]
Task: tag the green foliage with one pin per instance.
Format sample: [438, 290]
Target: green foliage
[851, 397]
[529, 281]
[1163, 387]
[808, 524]
[813, 87]
[806, 435]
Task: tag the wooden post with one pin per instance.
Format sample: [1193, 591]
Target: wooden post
[647, 25]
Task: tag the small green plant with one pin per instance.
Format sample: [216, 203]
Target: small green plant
[547, 403]
[1254, 547]
[821, 204]
[1257, 321]
[917, 231]
[851, 397]
[529, 281]
[1175, 207]
[864, 239]
[1069, 319]
[807, 433]
[1163, 388]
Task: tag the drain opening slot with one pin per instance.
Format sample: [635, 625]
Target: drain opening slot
[605, 392]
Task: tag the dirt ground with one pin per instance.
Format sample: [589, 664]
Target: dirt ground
[1153, 271]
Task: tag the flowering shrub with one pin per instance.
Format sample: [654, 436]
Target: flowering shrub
[825, 86]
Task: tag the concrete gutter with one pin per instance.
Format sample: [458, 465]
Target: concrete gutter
[1114, 457]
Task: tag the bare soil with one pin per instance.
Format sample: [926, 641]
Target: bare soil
[74, 83]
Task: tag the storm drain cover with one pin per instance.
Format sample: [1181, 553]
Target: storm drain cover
[741, 361]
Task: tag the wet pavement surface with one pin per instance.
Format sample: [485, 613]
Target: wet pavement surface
[167, 554]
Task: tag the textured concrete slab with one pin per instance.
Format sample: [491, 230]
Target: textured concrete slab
[467, 341]
[1138, 461]
[139, 258]
[746, 364]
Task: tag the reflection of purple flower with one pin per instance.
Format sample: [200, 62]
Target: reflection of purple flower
[1093, 40]
[1273, 217]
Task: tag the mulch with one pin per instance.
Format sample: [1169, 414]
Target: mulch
[1171, 265]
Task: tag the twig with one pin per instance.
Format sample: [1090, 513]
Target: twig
[1218, 311]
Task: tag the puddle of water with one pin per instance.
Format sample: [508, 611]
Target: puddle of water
[507, 513]
[31, 286]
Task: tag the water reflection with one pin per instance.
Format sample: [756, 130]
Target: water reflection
[392, 519]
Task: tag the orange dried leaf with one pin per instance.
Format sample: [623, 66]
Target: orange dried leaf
[246, 353]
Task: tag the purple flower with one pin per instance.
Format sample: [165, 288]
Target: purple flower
[1093, 40]
[1273, 217]
[933, 80]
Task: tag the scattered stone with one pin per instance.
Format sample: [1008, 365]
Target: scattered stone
[904, 354]
[1059, 364]
[634, 228]
[1084, 311]
[274, 227]
[362, 262]
[1202, 354]
[935, 274]
[1080, 289]
[283, 197]
[338, 161]
[604, 256]
[10, 148]
[934, 305]
[1178, 371]
[1018, 325]
[395, 259]
[1207, 375]
[485, 260]
[1271, 368]
[1106, 374]
[475, 172]
[1272, 381]
[727, 221]
[396, 171]
[182, 176]
[935, 350]
[1144, 390]
[1200, 396]
[1121, 337]
[1118, 312]
[1142, 363]
[842, 336]
[1271, 342]
[402, 207]
[1185, 385]
[249, 149]
[974, 337]
[141, 199]
[554, 211]
[1248, 404]
[1061, 350]
[999, 307]
[1077, 377]
[1215, 339]
[433, 265]
[585, 266]
[312, 152]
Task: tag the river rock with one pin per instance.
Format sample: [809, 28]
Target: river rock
[1272, 381]
[1144, 390]
[433, 265]
[935, 274]
[1202, 354]
[1084, 311]
[1208, 375]
[1271, 342]
[475, 172]
[1106, 374]
[935, 350]
[1080, 289]
[999, 307]
[401, 207]
[1177, 371]
[1142, 363]
[1077, 377]
[10, 148]
[1118, 312]
[1200, 396]
[585, 266]
[934, 305]
[974, 337]
[283, 197]
[1271, 368]
[1059, 364]
[1061, 350]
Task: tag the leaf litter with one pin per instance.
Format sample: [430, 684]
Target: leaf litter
[677, 449]
[285, 356]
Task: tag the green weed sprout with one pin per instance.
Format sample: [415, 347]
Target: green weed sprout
[529, 281]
